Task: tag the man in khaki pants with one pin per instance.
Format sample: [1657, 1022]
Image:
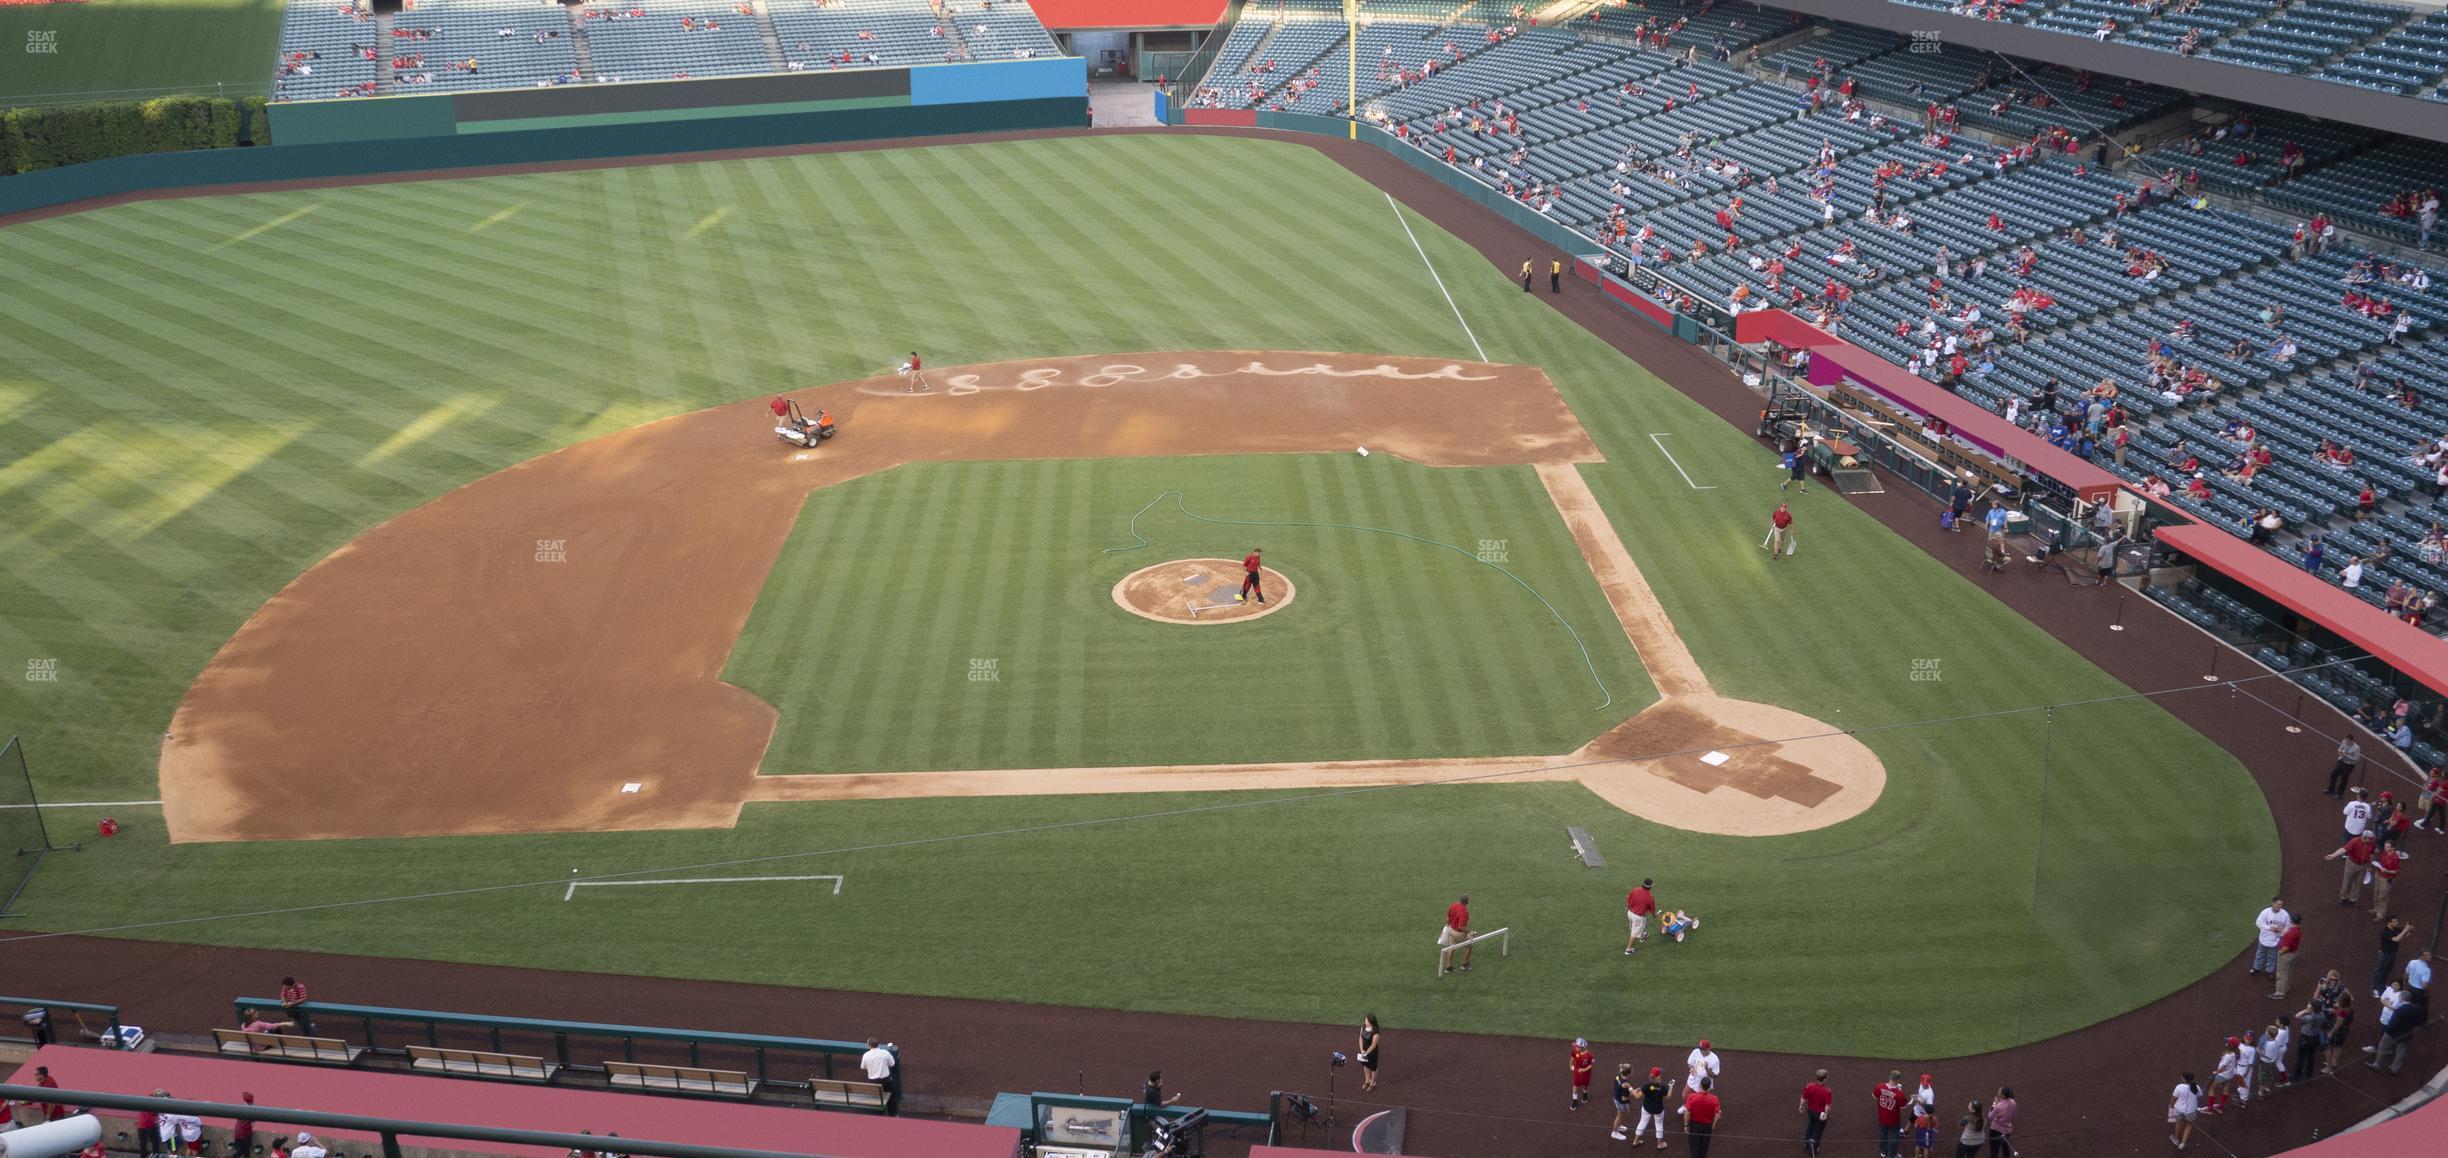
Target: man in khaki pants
[2358, 857]
[2385, 868]
[2288, 942]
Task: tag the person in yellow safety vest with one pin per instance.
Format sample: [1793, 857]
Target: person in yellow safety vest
[1525, 277]
[1555, 275]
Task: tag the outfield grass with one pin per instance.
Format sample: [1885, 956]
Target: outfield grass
[115, 49]
[332, 358]
[891, 586]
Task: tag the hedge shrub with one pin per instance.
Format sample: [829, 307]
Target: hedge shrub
[42, 137]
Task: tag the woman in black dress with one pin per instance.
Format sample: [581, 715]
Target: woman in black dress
[1372, 1047]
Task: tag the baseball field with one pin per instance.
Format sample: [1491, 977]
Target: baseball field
[375, 541]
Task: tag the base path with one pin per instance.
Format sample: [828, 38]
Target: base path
[508, 657]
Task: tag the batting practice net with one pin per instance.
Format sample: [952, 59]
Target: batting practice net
[22, 836]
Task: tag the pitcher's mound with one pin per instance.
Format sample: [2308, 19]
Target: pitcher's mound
[1197, 591]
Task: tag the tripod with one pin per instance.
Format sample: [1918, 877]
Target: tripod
[1331, 1067]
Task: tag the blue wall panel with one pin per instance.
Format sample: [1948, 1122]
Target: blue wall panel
[1001, 80]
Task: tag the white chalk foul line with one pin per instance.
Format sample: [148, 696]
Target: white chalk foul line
[574, 886]
[87, 804]
[1687, 478]
[1432, 273]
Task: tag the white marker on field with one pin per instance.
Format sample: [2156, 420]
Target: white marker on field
[574, 886]
[1687, 478]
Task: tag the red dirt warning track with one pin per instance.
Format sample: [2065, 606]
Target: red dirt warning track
[507, 657]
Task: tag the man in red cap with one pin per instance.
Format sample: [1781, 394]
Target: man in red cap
[1816, 1098]
[1701, 1066]
[1249, 578]
[1653, 1095]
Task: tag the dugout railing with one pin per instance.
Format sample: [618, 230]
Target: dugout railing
[108, 1038]
[388, 1130]
[581, 1046]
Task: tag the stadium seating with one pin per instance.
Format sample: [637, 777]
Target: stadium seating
[858, 33]
[633, 40]
[2412, 58]
[512, 44]
[2305, 34]
[2357, 189]
[2390, 47]
[1003, 31]
[464, 45]
[325, 48]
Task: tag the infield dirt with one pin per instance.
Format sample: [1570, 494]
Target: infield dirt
[509, 656]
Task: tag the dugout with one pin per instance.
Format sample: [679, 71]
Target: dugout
[1139, 39]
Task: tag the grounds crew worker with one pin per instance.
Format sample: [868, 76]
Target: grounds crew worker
[1525, 277]
[1555, 275]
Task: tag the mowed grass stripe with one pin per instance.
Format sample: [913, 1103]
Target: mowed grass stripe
[1206, 221]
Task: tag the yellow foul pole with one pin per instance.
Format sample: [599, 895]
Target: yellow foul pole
[1351, 91]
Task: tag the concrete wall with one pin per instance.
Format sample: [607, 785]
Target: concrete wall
[354, 158]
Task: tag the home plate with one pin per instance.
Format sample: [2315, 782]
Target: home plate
[1714, 759]
[632, 788]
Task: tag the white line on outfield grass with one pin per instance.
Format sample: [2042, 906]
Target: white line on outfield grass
[87, 804]
[1687, 479]
[1440, 282]
[574, 886]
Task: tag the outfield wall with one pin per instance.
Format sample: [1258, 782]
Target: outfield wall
[324, 140]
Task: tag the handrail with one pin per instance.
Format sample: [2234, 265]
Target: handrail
[562, 1031]
[1194, 73]
[390, 1129]
[110, 1041]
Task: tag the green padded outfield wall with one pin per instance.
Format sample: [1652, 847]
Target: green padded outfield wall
[653, 102]
[320, 140]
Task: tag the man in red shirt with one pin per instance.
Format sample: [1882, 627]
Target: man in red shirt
[2288, 943]
[1890, 1099]
[1583, 1061]
[917, 373]
[2358, 856]
[1457, 930]
[2384, 873]
[1778, 524]
[1701, 1110]
[1638, 905]
[1249, 578]
[1816, 1098]
[293, 995]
